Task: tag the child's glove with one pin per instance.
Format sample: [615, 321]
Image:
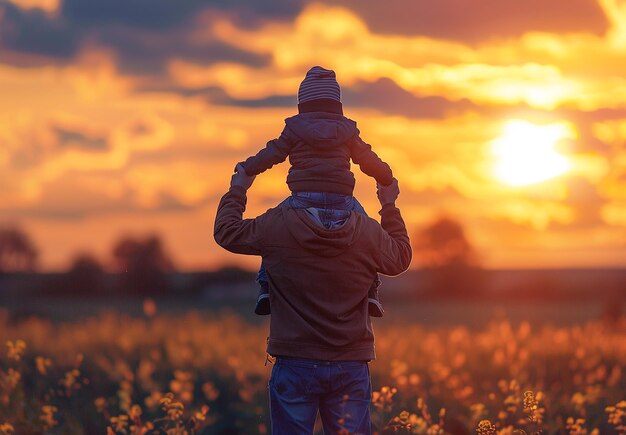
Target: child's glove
[240, 178]
[387, 194]
[239, 164]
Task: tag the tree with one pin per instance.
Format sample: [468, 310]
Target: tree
[443, 243]
[142, 264]
[85, 277]
[443, 249]
[17, 252]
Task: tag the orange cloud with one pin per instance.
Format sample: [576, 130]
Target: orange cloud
[541, 69]
[615, 213]
[85, 140]
[51, 7]
[534, 213]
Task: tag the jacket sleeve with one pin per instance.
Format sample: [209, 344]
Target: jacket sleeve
[276, 151]
[369, 162]
[395, 247]
[231, 231]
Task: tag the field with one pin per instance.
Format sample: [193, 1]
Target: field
[189, 371]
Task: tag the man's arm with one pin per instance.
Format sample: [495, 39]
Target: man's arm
[369, 162]
[395, 247]
[231, 231]
[276, 151]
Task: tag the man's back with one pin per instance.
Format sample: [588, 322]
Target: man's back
[318, 278]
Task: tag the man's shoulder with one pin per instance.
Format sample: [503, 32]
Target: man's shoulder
[368, 226]
[270, 213]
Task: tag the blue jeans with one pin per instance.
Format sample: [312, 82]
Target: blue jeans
[333, 208]
[340, 390]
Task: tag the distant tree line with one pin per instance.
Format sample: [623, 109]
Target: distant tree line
[141, 265]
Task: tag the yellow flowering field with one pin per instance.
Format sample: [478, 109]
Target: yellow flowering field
[207, 373]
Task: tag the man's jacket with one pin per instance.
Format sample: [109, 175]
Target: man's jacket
[318, 278]
[320, 146]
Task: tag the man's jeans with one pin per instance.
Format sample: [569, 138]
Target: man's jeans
[340, 390]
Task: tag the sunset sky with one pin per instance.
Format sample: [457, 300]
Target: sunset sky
[126, 117]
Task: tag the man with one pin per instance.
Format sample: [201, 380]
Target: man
[319, 268]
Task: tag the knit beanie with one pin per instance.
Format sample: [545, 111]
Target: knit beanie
[319, 83]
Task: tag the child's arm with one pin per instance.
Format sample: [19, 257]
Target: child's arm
[369, 162]
[276, 151]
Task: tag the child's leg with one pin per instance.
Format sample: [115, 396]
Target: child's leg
[374, 306]
[262, 307]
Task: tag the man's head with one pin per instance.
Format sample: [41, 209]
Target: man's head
[319, 91]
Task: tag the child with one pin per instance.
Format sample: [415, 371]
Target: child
[320, 142]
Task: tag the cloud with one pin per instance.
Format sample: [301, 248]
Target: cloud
[206, 45]
[538, 215]
[214, 95]
[418, 65]
[145, 132]
[148, 52]
[505, 242]
[75, 138]
[51, 7]
[614, 213]
[164, 14]
[539, 69]
[33, 31]
[142, 34]
[382, 95]
[387, 97]
[70, 199]
[481, 20]
[120, 115]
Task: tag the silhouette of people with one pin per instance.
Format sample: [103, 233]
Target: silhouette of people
[320, 330]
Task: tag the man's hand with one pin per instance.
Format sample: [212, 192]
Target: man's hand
[387, 194]
[240, 178]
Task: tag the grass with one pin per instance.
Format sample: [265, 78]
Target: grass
[191, 371]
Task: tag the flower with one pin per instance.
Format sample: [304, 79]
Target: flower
[47, 416]
[486, 427]
[42, 364]
[15, 349]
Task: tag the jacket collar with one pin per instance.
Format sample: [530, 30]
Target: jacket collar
[321, 105]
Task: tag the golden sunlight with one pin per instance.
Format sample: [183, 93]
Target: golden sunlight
[526, 152]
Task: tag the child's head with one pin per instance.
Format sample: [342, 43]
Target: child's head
[319, 92]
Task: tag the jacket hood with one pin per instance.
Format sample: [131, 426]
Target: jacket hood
[322, 129]
[314, 238]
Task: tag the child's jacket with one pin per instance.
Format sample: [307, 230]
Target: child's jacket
[320, 146]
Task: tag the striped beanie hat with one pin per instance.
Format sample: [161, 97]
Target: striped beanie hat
[319, 83]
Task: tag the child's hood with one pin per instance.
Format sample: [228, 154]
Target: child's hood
[317, 239]
[322, 129]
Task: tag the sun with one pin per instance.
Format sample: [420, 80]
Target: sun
[526, 154]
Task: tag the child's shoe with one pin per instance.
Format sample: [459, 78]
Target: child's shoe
[374, 307]
[262, 307]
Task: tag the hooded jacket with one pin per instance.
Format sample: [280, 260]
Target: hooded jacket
[318, 278]
[320, 146]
